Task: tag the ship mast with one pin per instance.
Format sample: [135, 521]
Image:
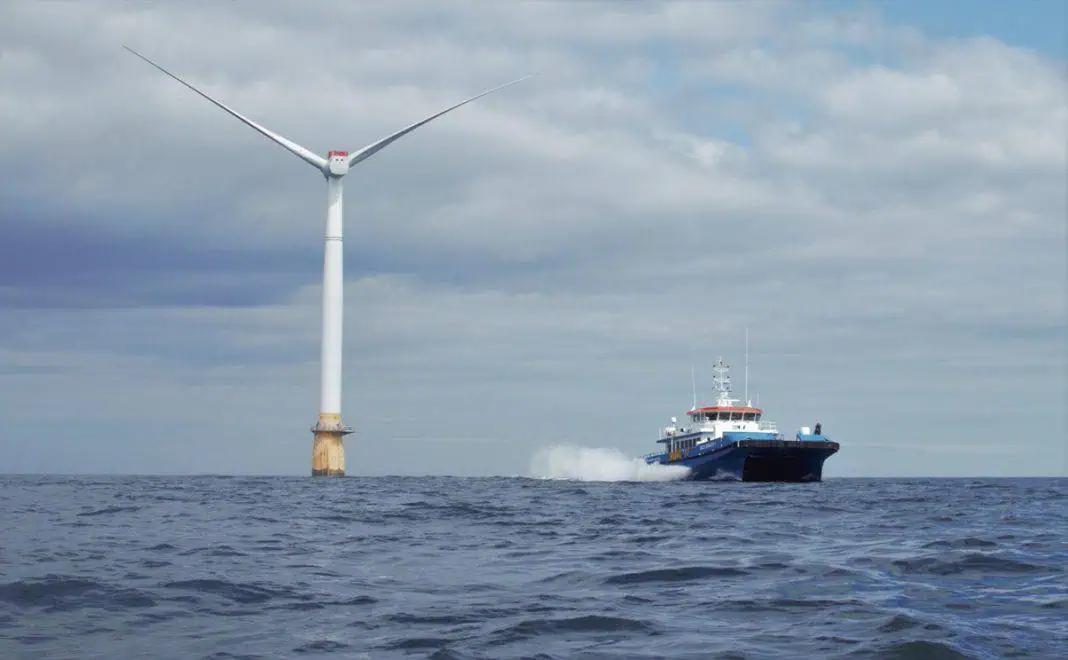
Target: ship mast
[722, 383]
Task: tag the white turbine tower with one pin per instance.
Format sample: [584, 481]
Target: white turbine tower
[328, 453]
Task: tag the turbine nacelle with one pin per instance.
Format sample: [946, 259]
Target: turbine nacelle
[337, 164]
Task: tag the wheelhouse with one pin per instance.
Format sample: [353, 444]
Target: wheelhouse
[709, 426]
[725, 414]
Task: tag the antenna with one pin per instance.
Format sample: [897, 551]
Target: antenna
[693, 381]
[747, 365]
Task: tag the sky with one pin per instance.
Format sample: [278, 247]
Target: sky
[874, 191]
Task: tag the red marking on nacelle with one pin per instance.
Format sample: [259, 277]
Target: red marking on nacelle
[337, 153]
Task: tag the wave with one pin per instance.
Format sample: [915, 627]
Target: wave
[598, 464]
[244, 593]
[970, 563]
[681, 574]
[59, 593]
[588, 623]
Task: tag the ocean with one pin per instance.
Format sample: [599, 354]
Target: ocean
[616, 563]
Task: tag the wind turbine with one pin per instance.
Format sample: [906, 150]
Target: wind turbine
[328, 452]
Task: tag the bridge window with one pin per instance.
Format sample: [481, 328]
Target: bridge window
[750, 416]
[736, 415]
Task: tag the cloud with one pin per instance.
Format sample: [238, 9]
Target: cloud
[883, 210]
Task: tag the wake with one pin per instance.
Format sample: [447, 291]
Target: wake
[598, 464]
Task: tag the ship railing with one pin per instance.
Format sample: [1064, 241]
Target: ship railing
[714, 445]
[767, 426]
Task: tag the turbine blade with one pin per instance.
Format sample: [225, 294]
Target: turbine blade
[372, 149]
[311, 157]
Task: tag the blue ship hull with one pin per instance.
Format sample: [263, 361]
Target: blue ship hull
[754, 458]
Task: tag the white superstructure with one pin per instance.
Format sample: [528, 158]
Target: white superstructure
[707, 423]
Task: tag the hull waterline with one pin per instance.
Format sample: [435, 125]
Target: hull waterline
[758, 460]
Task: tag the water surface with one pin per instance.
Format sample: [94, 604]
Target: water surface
[198, 567]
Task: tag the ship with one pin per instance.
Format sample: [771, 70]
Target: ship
[732, 442]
